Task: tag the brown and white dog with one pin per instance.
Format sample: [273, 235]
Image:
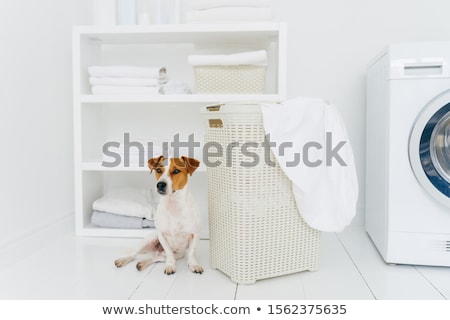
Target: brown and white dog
[177, 218]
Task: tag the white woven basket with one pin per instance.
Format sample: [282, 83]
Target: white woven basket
[255, 229]
[239, 79]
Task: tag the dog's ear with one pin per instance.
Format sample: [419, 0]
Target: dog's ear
[191, 164]
[154, 162]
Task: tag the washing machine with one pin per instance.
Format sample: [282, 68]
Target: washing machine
[408, 153]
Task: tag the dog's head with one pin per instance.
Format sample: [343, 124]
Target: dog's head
[174, 176]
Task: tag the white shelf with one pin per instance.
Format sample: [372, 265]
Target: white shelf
[192, 98]
[101, 118]
[181, 33]
[90, 230]
[97, 166]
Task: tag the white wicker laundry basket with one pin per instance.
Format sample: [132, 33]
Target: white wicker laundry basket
[255, 229]
[238, 79]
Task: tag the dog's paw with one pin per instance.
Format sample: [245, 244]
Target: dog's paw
[170, 269]
[196, 268]
[141, 265]
[120, 263]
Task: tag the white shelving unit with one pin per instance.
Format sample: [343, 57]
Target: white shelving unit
[99, 119]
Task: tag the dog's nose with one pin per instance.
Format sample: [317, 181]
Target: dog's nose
[161, 187]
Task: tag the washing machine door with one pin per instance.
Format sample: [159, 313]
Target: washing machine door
[429, 148]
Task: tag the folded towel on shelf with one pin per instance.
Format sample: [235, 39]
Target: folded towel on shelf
[326, 194]
[127, 72]
[111, 220]
[124, 82]
[229, 14]
[119, 90]
[209, 4]
[258, 58]
[133, 202]
[175, 87]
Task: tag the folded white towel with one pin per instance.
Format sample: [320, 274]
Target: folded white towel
[127, 72]
[175, 87]
[131, 202]
[125, 82]
[258, 58]
[326, 195]
[230, 14]
[119, 90]
[112, 220]
[208, 4]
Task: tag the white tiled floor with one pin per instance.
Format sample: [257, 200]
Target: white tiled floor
[82, 268]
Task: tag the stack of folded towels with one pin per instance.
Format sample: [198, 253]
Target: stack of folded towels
[126, 79]
[126, 208]
[207, 11]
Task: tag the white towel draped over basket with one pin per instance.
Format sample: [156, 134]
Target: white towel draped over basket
[326, 194]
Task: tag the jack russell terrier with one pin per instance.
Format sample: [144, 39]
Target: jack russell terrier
[176, 220]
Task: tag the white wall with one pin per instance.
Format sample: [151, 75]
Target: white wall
[36, 167]
[331, 43]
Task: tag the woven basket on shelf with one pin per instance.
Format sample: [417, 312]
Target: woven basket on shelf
[239, 79]
[255, 229]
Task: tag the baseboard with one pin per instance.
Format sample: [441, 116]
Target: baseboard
[36, 239]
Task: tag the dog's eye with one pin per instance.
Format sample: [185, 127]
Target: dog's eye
[176, 171]
[158, 170]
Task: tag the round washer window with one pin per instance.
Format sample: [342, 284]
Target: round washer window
[429, 148]
[440, 147]
[435, 150]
